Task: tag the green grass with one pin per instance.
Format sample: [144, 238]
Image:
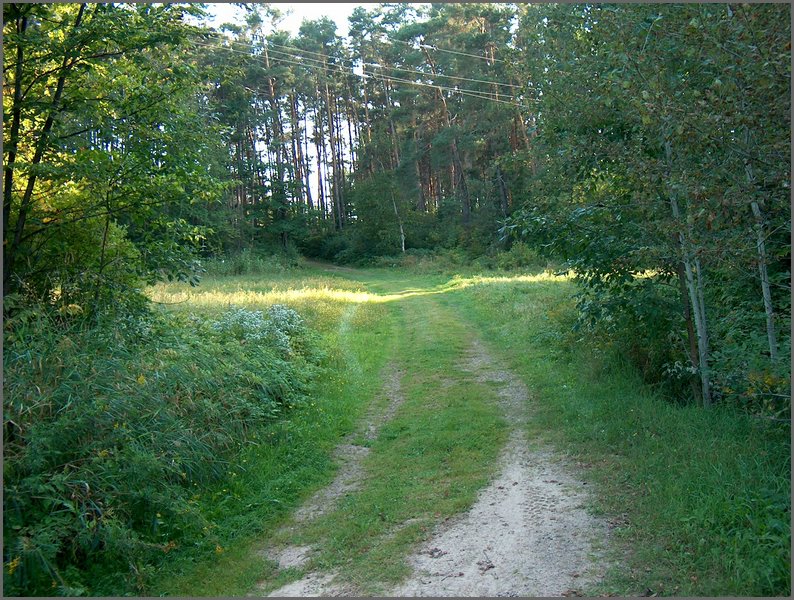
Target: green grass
[294, 457]
[118, 434]
[428, 462]
[698, 500]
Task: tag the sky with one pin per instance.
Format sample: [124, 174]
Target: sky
[338, 11]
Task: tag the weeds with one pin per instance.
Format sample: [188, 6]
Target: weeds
[249, 262]
[168, 443]
[112, 430]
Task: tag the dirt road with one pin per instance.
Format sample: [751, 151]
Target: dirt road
[527, 534]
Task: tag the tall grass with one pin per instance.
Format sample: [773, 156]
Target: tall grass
[113, 430]
[250, 262]
[296, 459]
[153, 453]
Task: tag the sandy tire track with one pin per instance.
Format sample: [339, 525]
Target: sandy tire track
[350, 458]
[528, 533]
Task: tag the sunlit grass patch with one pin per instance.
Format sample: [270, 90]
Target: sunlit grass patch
[320, 299]
[255, 292]
[461, 282]
[219, 292]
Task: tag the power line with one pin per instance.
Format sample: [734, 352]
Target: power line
[484, 95]
[437, 49]
[488, 81]
[472, 93]
[411, 71]
[299, 61]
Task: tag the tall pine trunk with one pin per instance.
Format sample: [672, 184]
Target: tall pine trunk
[458, 176]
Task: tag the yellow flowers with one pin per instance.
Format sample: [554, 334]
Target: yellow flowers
[141, 379]
[12, 566]
[71, 309]
[218, 549]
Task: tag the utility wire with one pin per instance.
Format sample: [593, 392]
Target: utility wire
[472, 93]
[491, 82]
[437, 49]
[412, 71]
[482, 94]
[306, 62]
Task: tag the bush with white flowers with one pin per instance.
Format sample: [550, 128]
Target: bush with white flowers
[277, 329]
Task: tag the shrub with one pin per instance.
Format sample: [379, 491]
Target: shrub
[111, 430]
[250, 262]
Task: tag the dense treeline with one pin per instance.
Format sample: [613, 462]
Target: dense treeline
[664, 180]
[646, 147]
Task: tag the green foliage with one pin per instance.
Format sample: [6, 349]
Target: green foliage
[109, 141]
[295, 456]
[647, 156]
[250, 262]
[92, 266]
[520, 256]
[111, 430]
[325, 245]
[642, 140]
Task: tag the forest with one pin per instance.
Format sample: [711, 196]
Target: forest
[642, 151]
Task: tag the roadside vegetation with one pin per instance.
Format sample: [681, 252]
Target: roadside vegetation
[126, 447]
[699, 502]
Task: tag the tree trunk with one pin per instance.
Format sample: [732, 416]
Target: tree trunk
[421, 204]
[367, 120]
[400, 223]
[686, 311]
[764, 277]
[505, 205]
[368, 126]
[295, 137]
[351, 125]
[695, 288]
[16, 117]
[335, 182]
[760, 245]
[458, 177]
[278, 192]
[305, 154]
[102, 264]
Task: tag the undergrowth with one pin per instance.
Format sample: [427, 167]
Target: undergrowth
[520, 257]
[250, 262]
[112, 429]
[295, 456]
